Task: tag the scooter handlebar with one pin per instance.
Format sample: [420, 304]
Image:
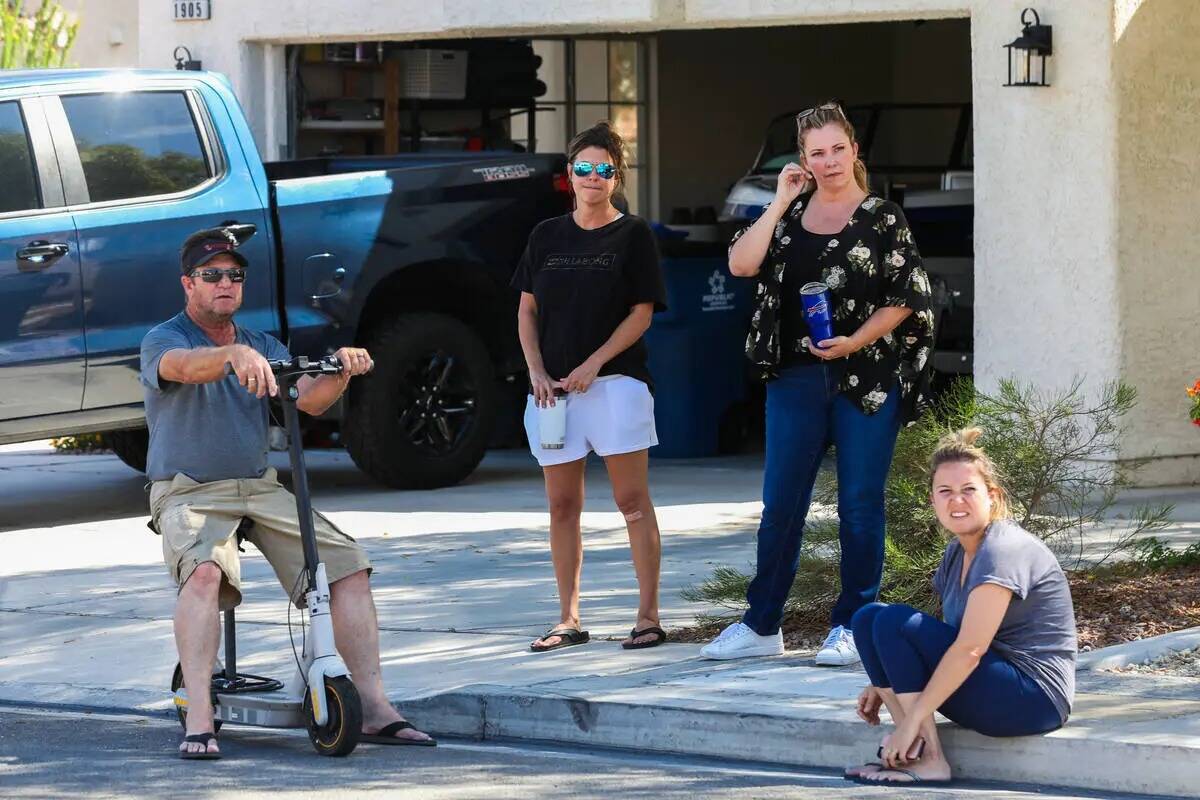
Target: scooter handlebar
[303, 365]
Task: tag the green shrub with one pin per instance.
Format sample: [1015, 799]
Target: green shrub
[1054, 452]
[80, 443]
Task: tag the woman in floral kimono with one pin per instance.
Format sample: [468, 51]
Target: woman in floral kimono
[853, 391]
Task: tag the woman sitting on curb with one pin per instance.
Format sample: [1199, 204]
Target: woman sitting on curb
[1003, 661]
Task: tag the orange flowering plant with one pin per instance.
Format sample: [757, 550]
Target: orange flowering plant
[1194, 393]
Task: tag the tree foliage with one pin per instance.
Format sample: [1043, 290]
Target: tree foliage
[35, 39]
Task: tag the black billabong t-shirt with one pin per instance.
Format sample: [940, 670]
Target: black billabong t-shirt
[585, 282]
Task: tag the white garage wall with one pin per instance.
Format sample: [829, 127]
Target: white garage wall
[1159, 314]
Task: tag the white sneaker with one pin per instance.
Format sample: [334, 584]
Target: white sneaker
[838, 649]
[740, 641]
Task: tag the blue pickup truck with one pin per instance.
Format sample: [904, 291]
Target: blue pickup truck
[104, 173]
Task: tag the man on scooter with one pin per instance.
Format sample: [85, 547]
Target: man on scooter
[206, 382]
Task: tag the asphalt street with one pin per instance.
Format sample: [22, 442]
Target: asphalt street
[52, 754]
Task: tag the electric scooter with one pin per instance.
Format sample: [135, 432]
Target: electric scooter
[320, 695]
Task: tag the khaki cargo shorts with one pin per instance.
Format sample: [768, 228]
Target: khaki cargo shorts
[198, 523]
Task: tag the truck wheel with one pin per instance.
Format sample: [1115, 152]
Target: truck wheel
[130, 446]
[424, 416]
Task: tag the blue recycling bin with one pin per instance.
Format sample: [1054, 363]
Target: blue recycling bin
[696, 350]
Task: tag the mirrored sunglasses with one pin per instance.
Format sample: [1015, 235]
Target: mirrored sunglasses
[603, 170]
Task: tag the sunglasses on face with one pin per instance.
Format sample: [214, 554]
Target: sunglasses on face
[214, 275]
[808, 112]
[603, 170]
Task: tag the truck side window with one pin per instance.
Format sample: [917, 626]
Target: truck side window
[136, 144]
[18, 189]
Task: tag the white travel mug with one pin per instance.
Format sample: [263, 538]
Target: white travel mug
[552, 423]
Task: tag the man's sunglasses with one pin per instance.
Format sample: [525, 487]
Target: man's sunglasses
[808, 112]
[214, 275]
[603, 170]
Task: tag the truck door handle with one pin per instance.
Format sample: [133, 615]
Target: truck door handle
[39, 255]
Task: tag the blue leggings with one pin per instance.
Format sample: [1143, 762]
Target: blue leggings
[900, 648]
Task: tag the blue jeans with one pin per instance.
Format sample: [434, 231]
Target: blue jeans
[805, 415]
[901, 647]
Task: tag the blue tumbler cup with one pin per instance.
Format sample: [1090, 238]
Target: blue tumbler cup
[817, 313]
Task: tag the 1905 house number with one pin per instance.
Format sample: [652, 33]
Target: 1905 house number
[192, 9]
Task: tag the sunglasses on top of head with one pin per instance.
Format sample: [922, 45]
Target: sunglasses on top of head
[808, 112]
[603, 170]
[214, 275]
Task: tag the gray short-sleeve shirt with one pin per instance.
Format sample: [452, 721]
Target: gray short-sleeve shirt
[207, 431]
[1037, 634]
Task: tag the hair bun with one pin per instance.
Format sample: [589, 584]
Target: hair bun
[960, 438]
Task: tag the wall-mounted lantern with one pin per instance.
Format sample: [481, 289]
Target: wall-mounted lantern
[1028, 52]
[185, 61]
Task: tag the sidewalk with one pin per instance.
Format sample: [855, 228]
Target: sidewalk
[463, 583]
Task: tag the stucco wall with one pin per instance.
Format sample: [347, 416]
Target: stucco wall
[1158, 80]
[108, 33]
[1045, 202]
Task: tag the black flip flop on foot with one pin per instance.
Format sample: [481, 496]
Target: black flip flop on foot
[567, 638]
[660, 637]
[387, 735]
[199, 755]
[915, 779]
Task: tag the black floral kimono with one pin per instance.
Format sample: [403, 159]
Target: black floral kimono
[873, 262]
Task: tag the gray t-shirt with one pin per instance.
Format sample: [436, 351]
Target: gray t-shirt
[1037, 634]
[207, 431]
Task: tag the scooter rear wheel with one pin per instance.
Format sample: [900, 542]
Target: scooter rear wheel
[339, 735]
[176, 685]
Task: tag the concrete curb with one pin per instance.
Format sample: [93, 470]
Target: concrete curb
[1074, 757]
[1066, 758]
[1122, 655]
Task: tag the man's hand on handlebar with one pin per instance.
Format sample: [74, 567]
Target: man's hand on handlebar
[253, 371]
[355, 361]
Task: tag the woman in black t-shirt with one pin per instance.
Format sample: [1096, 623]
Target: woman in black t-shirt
[590, 282]
[852, 391]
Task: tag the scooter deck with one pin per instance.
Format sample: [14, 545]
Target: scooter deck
[261, 709]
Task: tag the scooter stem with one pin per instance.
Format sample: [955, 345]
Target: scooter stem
[308, 535]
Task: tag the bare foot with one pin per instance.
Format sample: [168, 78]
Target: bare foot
[199, 723]
[373, 726]
[868, 768]
[200, 747]
[929, 768]
[549, 640]
[642, 624]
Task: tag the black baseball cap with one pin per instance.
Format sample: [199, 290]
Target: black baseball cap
[203, 246]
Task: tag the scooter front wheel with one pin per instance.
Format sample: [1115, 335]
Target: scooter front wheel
[176, 685]
[339, 735]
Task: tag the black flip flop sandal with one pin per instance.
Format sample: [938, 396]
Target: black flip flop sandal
[635, 633]
[199, 755]
[387, 736]
[567, 638]
[916, 780]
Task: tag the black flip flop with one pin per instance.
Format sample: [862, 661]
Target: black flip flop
[635, 633]
[567, 638]
[199, 755]
[917, 780]
[387, 735]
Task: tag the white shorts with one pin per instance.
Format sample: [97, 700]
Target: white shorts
[615, 415]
